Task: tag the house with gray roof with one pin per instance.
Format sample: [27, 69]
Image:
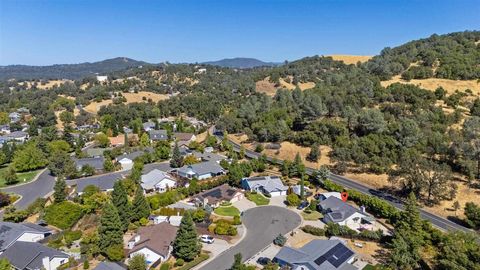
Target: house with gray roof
[337, 211]
[109, 266]
[217, 195]
[147, 126]
[94, 162]
[15, 117]
[126, 160]
[34, 256]
[317, 255]
[104, 182]
[158, 135]
[27, 232]
[200, 171]
[271, 185]
[157, 180]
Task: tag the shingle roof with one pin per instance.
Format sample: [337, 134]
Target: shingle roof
[29, 255]
[108, 266]
[9, 232]
[130, 156]
[95, 162]
[202, 168]
[218, 194]
[103, 182]
[337, 209]
[181, 136]
[209, 156]
[157, 238]
[158, 135]
[267, 183]
[149, 180]
[318, 254]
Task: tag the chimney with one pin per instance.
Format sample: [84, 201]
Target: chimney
[137, 238]
[46, 263]
[363, 209]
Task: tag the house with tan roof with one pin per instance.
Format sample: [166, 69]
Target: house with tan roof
[153, 242]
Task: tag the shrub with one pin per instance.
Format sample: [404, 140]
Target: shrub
[259, 148]
[293, 200]
[71, 236]
[333, 229]
[236, 220]
[86, 264]
[371, 235]
[115, 253]
[313, 230]
[280, 240]
[179, 262]
[165, 266]
[224, 227]
[63, 215]
[4, 199]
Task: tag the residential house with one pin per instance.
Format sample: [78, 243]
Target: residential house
[270, 185]
[34, 256]
[147, 126]
[200, 171]
[317, 255]
[153, 242]
[172, 220]
[157, 180]
[94, 162]
[117, 141]
[25, 232]
[102, 78]
[126, 160]
[158, 135]
[217, 195]
[184, 138]
[109, 266]
[18, 136]
[337, 211]
[5, 129]
[104, 182]
[326, 195]
[182, 205]
[15, 117]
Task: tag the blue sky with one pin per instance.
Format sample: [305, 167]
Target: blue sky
[41, 32]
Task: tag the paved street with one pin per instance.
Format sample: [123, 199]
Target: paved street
[33, 190]
[263, 225]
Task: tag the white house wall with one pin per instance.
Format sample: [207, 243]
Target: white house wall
[31, 237]
[150, 256]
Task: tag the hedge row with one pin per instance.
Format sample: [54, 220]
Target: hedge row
[333, 229]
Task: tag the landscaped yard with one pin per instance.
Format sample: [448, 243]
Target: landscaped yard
[23, 177]
[258, 198]
[314, 215]
[227, 211]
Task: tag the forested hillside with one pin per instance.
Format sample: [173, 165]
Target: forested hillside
[454, 56]
[240, 62]
[67, 71]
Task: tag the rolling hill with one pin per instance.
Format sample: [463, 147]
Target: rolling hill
[67, 71]
[241, 62]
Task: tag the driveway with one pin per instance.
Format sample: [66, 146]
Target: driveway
[244, 204]
[33, 190]
[263, 224]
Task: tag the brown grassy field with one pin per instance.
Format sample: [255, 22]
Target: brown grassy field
[131, 98]
[350, 59]
[434, 83]
[47, 85]
[267, 87]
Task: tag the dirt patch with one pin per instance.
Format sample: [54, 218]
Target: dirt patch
[350, 59]
[201, 137]
[265, 86]
[433, 83]
[131, 98]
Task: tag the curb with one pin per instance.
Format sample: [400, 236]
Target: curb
[22, 184]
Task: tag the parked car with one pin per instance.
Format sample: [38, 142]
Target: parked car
[264, 261]
[303, 205]
[207, 239]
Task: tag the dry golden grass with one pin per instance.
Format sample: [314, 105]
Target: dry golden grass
[201, 137]
[265, 86]
[433, 83]
[370, 179]
[131, 98]
[48, 85]
[350, 59]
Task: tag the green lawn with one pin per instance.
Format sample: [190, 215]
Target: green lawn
[258, 199]
[227, 211]
[23, 177]
[315, 215]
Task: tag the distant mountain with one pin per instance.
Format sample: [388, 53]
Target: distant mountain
[240, 62]
[67, 71]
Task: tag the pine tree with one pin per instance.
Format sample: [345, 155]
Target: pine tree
[110, 231]
[120, 201]
[177, 159]
[314, 154]
[137, 262]
[186, 245]
[60, 190]
[140, 208]
[298, 167]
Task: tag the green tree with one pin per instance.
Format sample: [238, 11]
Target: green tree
[66, 117]
[162, 151]
[459, 250]
[141, 208]
[293, 199]
[297, 168]
[102, 140]
[110, 231]
[314, 153]
[186, 245]
[61, 164]
[472, 214]
[5, 264]
[177, 159]
[28, 158]
[4, 119]
[10, 176]
[108, 165]
[120, 201]
[137, 262]
[210, 140]
[60, 190]
[144, 140]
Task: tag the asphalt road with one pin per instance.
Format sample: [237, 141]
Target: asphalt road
[263, 224]
[33, 190]
[440, 222]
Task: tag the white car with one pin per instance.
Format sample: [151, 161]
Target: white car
[207, 239]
